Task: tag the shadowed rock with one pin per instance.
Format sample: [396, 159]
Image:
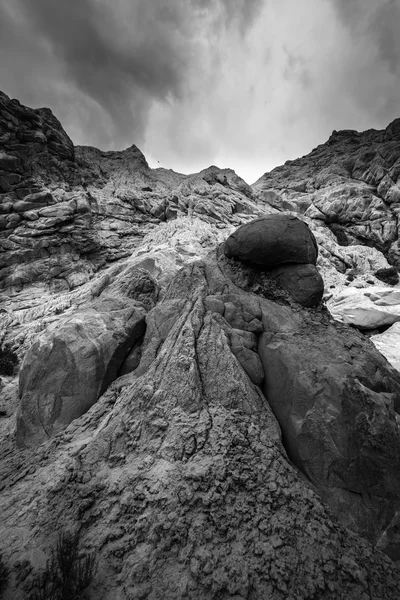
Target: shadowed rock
[303, 282]
[283, 242]
[337, 401]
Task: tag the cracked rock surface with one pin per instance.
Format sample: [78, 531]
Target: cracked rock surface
[178, 477]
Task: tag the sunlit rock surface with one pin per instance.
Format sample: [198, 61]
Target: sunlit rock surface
[367, 308]
[388, 343]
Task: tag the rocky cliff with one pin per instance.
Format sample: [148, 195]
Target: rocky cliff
[185, 402]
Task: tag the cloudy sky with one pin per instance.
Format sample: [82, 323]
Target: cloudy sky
[245, 84]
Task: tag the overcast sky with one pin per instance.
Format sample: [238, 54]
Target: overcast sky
[245, 84]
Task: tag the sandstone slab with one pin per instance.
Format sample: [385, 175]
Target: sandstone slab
[367, 308]
[74, 361]
[388, 344]
[336, 400]
[71, 365]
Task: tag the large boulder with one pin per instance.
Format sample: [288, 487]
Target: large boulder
[336, 399]
[71, 365]
[273, 240]
[303, 282]
[74, 361]
[285, 248]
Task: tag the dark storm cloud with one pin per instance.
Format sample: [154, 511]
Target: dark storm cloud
[380, 21]
[385, 25]
[124, 54]
[245, 84]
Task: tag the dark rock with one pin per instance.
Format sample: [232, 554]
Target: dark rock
[336, 398]
[303, 282]
[273, 240]
[72, 364]
[389, 275]
[9, 162]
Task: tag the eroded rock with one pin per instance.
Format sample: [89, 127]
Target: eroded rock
[336, 399]
[180, 477]
[283, 242]
[185, 454]
[75, 360]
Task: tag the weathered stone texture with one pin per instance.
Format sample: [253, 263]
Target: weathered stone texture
[202, 421]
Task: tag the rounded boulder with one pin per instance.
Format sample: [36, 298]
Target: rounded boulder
[273, 240]
[302, 282]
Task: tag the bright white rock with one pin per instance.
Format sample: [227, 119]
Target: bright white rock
[366, 308]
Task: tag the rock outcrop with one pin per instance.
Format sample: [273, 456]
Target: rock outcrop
[178, 476]
[285, 246]
[70, 365]
[349, 187]
[66, 212]
[199, 420]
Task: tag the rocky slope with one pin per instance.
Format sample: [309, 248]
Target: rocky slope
[348, 190]
[207, 429]
[351, 183]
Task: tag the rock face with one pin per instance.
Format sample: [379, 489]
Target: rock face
[347, 187]
[178, 475]
[202, 422]
[67, 211]
[334, 402]
[350, 183]
[74, 361]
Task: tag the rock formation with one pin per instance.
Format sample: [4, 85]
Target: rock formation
[285, 247]
[196, 415]
[272, 241]
[74, 361]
